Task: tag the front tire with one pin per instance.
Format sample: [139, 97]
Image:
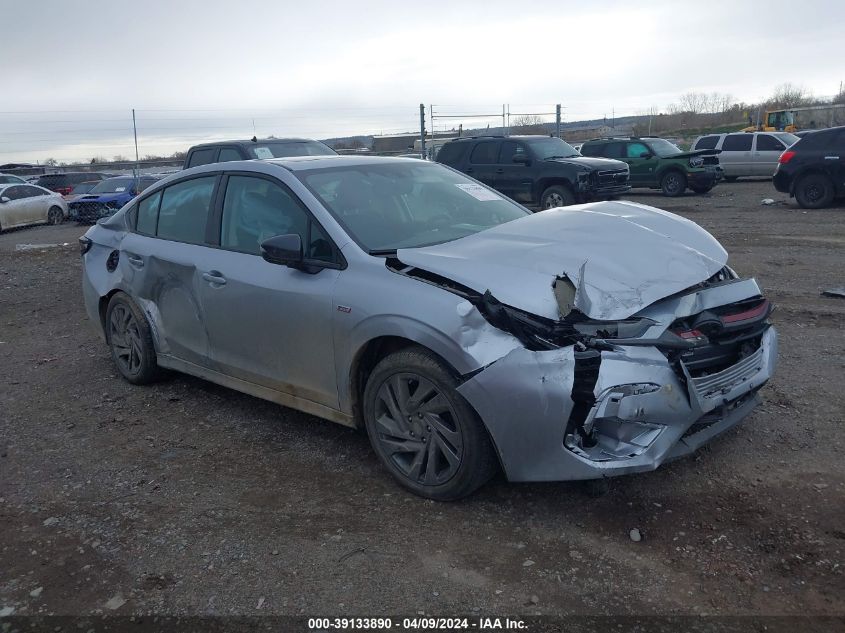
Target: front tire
[423, 431]
[814, 191]
[55, 215]
[130, 341]
[556, 196]
[673, 183]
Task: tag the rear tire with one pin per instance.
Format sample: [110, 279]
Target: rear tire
[814, 191]
[673, 183]
[703, 189]
[423, 431]
[130, 341]
[556, 196]
[55, 215]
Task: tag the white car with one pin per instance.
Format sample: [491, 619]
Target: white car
[9, 179]
[29, 204]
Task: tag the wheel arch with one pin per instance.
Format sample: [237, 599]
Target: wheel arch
[552, 181]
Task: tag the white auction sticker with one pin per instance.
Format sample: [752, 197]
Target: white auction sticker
[479, 193]
[263, 152]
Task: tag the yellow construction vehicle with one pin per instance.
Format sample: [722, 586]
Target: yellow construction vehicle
[796, 119]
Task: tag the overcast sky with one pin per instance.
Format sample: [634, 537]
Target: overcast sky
[197, 70]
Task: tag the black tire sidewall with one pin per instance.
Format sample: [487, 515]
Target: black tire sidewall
[664, 180]
[823, 181]
[149, 371]
[478, 461]
[562, 190]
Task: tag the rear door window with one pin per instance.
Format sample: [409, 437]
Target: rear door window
[484, 153]
[737, 143]
[766, 143]
[613, 150]
[509, 150]
[202, 157]
[707, 142]
[183, 213]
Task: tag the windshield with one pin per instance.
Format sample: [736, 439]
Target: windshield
[388, 206]
[114, 185]
[84, 187]
[663, 148]
[552, 148]
[290, 148]
[4, 179]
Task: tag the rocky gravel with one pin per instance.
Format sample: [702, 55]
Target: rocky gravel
[185, 498]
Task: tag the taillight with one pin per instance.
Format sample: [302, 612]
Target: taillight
[786, 157]
[64, 190]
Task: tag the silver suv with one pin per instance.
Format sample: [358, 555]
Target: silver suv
[747, 153]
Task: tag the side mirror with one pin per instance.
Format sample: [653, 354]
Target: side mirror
[5, 199]
[646, 155]
[285, 250]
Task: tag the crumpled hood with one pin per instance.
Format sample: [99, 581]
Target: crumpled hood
[591, 162]
[620, 256]
[121, 197]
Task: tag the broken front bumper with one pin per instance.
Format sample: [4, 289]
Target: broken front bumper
[644, 414]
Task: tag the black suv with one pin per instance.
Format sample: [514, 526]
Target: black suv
[223, 151]
[542, 171]
[64, 183]
[813, 170]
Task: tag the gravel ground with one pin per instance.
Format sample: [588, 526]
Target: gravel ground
[187, 498]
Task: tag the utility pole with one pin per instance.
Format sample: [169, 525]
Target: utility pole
[422, 129]
[504, 129]
[135, 131]
[557, 119]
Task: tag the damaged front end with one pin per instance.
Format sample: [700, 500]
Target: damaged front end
[585, 398]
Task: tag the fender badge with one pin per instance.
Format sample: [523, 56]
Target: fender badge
[345, 309]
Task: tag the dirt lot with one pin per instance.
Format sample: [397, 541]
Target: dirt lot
[187, 498]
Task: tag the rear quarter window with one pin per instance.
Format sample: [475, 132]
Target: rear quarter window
[451, 153]
[591, 150]
[201, 157]
[707, 142]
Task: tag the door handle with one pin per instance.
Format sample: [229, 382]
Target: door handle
[500, 171]
[215, 278]
[135, 260]
[469, 170]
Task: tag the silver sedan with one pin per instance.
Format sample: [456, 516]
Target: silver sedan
[24, 204]
[464, 333]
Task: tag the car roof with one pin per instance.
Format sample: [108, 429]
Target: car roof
[259, 141]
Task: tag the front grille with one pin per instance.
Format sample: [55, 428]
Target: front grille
[613, 177]
[727, 379]
[89, 211]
